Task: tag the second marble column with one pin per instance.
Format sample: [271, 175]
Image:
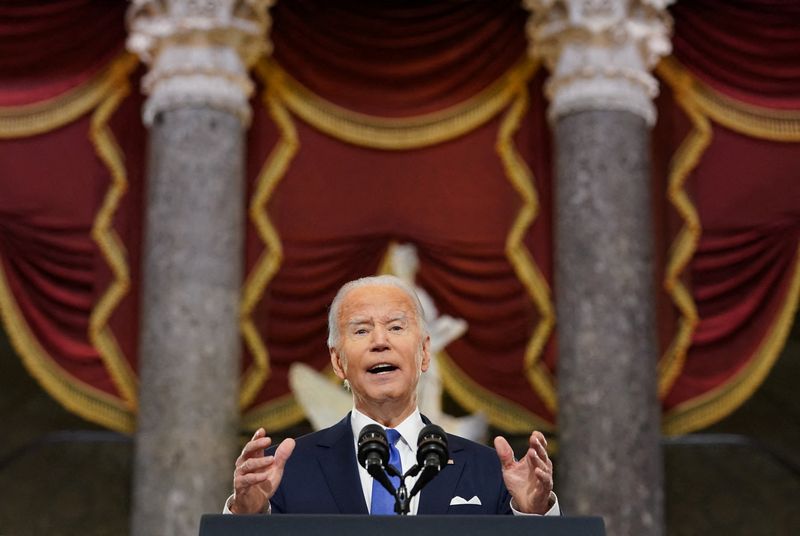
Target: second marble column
[601, 91]
[609, 417]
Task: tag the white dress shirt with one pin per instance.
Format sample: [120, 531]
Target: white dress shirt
[409, 431]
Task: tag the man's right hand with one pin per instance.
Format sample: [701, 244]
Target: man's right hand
[257, 476]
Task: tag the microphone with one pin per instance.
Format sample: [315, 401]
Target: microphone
[432, 447]
[373, 447]
[373, 454]
[432, 454]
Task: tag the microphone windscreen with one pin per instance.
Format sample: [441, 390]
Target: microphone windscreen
[372, 444]
[432, 442]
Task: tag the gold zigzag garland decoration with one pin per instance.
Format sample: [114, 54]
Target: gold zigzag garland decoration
[104, 92]
[40, 117]
[683, 247]
[518, 255]
[268, 263]
[398, 134]
[107, 240]
[717, 404]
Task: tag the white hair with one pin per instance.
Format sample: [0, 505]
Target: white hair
[334, 336]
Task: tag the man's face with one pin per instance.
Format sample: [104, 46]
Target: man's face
[381, 350]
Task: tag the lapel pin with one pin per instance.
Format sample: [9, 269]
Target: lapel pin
[450, 462]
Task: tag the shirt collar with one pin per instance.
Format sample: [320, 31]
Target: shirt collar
[409, 429]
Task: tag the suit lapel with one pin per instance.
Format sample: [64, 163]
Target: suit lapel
[435, 497]
[338, 463]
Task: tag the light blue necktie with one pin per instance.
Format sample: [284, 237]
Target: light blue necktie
[382, 500]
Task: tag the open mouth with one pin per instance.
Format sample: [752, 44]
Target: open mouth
[382, 368]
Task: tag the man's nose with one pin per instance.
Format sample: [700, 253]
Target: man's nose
[379, 340]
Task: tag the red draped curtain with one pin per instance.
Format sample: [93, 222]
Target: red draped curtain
[420, 122]
[728, 133]
[70, 202]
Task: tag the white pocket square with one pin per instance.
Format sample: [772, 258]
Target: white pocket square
[455, 501]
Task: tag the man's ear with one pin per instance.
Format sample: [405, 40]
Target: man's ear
[426, 354]
[338, 364]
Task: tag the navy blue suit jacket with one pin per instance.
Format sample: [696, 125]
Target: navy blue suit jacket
[321, 477]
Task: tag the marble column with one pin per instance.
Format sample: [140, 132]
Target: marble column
[599, 53]
[197, 111]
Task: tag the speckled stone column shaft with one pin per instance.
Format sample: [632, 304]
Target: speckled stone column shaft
[610, 460]
[190, 344]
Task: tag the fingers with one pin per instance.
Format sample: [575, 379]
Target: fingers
[253, 467]
[255, 447]
[245, 480]
[504, 452]
[545, 477]
[537, 438]
[251, 472]
[283, 452]
[537, 453]
[538, 444]
[251, 464]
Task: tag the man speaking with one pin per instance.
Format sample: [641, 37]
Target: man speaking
[379, 345]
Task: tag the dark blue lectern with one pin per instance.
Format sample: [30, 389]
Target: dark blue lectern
[355, 525]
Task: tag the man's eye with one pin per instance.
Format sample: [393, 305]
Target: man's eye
[396, 328]
[361, 331]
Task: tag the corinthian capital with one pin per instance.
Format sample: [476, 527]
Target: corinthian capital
[600, 52]
[199, 51]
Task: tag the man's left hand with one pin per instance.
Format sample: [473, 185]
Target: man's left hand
[529, 480]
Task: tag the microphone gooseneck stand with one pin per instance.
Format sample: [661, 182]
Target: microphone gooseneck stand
[373, 455]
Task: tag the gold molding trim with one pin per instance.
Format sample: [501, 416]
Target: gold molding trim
[717, 404]
[31, 119]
